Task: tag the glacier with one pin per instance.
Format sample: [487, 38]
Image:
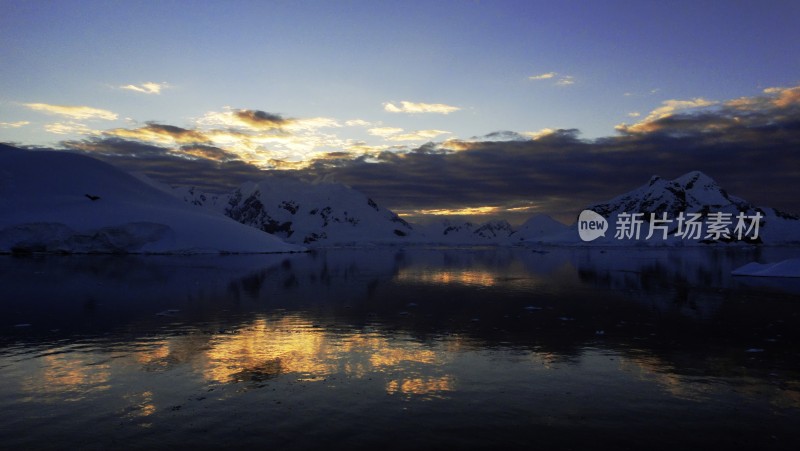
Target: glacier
[61, 202]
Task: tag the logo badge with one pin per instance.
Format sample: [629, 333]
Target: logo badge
[591, 225]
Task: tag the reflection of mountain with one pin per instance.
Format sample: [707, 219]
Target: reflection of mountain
[554, 301]
[347, 334]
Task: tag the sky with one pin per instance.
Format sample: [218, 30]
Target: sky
[479, 109]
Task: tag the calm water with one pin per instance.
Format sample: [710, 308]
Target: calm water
[399, 349]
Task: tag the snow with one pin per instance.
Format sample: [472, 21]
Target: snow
[694, 192]
[311, 214]
[539, 228]
[785, 268]
[63, 202]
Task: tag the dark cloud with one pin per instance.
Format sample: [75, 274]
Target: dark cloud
[158, 132]
[751, 146]
[208, 152]
[261, 119]
[216, 175]
[753, 154]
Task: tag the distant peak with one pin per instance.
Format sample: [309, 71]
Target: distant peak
[690, 179]
[653, 180]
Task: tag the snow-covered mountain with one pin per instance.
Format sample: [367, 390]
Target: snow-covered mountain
[537, 228]
[691, 192]
[314, 214]
[452, 232]
[678, 199]
[62, 202]
[329, 214]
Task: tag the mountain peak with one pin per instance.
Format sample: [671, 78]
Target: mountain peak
[691, 192]
[694, 179]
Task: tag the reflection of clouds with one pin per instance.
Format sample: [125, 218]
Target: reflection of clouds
[265, 349]
[701, 389]
[446, 277]
[140, 405]
[67, 376]
[428, 386]
[290, 346]
[652, 369]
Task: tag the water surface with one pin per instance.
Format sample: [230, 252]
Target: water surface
[400, 349]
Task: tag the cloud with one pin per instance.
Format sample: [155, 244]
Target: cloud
[215, 175]
[16, 124]
[146, 88]
[566, 80]
[412, 107]
[260, 119]
[68, 128]
[751, 147]
[396, 134]
[418, 135]
[545, 76]
[358, 123]
[312, 124]
[384, 131]
[541, 133]
[73, 112]
[160, 134]
[667, 109]
[245, 119]
[208, 152]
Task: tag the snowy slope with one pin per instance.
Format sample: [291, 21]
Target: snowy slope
[785, 268]
[313, 214]
[538, 228]
[62, 202]
[452, 232]
[693, 192]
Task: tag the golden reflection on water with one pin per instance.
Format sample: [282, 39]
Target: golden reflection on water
[67, 376]
[430, 386]
[289, 345]
[267, 349]
[454, 276]
[271, 347]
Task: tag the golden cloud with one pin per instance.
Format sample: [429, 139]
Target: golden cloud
[357, 123]
[541, 133]
[785, 97]
[413, 107]
[68, 128]
[161, 134]
[73, 112]
[16, 124]
[667, 109]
